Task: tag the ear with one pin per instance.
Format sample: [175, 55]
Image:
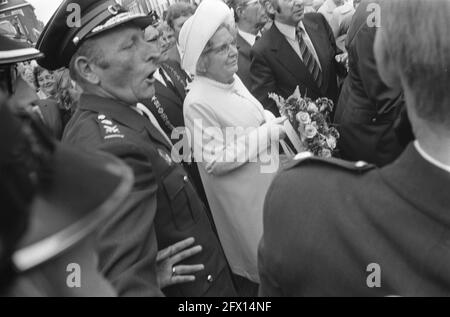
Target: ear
[239, 12]
[202, 65]
[86, 70]
[270, 8]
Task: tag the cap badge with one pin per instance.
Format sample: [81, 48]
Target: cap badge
[114, 9]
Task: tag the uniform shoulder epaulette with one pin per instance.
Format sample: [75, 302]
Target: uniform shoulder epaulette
[306, 158]
[108, 128]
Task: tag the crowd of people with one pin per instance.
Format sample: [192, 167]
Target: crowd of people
[147, 151]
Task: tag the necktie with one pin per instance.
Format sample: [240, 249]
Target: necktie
[308, 58]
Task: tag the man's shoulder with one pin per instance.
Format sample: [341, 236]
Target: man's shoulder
[313, 194]
[313, 16]
[316, 18]
[325, 180]
[304, 162]
[93, 130]
[267, 39]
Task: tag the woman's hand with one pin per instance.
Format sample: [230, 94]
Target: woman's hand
[168, 273]
[276, 128]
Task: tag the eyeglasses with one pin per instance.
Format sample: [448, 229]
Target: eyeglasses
[223, 49]
[8, 77]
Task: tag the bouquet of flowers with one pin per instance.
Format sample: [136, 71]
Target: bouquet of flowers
[308, 126]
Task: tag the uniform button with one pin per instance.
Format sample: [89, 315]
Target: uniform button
[374, 120]
[186, 179]
[210, 278]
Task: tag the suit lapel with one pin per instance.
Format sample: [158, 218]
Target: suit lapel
[286, 56]
[243, 46]
[165, 92]
[171, 69]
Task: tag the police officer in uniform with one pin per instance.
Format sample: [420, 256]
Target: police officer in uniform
[114, 65]
[53, 198]
[334, 228]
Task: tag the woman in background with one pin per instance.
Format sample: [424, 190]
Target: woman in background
[44, 82]
[62, 97]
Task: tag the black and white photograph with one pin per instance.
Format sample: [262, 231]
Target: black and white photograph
[224, 153]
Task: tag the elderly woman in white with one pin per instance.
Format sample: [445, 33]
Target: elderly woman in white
[236, 170]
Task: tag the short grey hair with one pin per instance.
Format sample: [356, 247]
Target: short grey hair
[93, 53]
[416, 39]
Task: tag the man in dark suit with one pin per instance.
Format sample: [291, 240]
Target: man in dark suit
[177, 15]
[367, 108]
[112, 62]
[250, 16]
[167, 104]
[337, 228]
[170, 86]
[299, 50]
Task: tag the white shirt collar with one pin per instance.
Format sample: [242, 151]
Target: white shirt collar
[143, 111]
[158, 77]
[430, 159]
[180, 51]
[248, 37]
[329, 6]
[289, 31]
[345, 8]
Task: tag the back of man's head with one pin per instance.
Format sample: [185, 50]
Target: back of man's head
[236, 5]
[177, 10]
[416, 42]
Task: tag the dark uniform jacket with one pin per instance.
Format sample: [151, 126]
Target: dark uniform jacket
[244, 61]
[367, 108]
[276, 67]
[327, 221]
[163, 198]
